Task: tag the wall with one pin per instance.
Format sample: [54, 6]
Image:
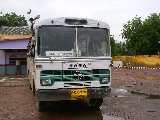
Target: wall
[15, 55]
[139, 60]
[2, 62]
[13, 36]
[6, 67]
[2, 57]
[11, 69]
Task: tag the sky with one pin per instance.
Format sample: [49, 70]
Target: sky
[116, 13]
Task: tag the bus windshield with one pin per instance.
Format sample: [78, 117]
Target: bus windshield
[61, 41]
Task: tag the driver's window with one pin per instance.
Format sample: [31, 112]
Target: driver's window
[83, 43]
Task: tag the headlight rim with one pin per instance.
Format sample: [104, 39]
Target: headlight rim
[49, 84]
[108, 80]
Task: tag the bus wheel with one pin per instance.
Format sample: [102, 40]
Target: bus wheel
[40, 105]
[30, 87]
[95, 102]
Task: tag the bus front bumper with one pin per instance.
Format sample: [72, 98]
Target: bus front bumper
[65, 94]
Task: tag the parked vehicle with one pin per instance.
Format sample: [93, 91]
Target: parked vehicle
[69, 59]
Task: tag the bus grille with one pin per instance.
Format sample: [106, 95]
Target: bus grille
[84, 84]
[74, 75]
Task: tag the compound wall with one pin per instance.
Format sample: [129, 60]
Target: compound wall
[139, 60]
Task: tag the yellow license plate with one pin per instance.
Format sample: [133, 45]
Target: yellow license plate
[78, 94]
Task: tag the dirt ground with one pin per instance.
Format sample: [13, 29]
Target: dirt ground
[135, 96]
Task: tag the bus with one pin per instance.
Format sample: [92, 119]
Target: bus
[69, 59]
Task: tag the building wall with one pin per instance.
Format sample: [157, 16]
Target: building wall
[2, 57]
[6, 67]
[2, 62]
[14, 44]
[13, 36]
[15, 55]
[11, 69]
[13, 39]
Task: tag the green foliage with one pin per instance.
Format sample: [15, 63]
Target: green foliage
[142, 37]
[117, 48]
[11, 19]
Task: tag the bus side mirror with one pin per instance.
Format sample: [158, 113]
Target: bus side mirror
[32, 51]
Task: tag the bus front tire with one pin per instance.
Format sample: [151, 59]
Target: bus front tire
[40, 105]
[95, 102]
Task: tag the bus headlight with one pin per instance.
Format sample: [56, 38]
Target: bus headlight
[104, 80]
[46, 82]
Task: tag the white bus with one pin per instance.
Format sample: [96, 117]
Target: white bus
[69, 59]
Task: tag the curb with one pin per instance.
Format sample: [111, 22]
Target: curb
[143, 68]
[138, 68]
[14, 84]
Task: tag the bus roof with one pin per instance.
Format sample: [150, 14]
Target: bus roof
[73, 21]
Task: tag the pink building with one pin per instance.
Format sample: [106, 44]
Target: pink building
[13, 48]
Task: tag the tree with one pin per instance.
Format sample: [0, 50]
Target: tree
[151, 29]
[117, 48]
[131, 32]
[11, 19]
[142, 37]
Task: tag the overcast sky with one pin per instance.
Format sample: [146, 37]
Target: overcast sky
[113, 12]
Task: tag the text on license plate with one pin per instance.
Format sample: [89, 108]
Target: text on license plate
[78, 94]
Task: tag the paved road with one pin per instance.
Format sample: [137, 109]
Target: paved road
[135, 96]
